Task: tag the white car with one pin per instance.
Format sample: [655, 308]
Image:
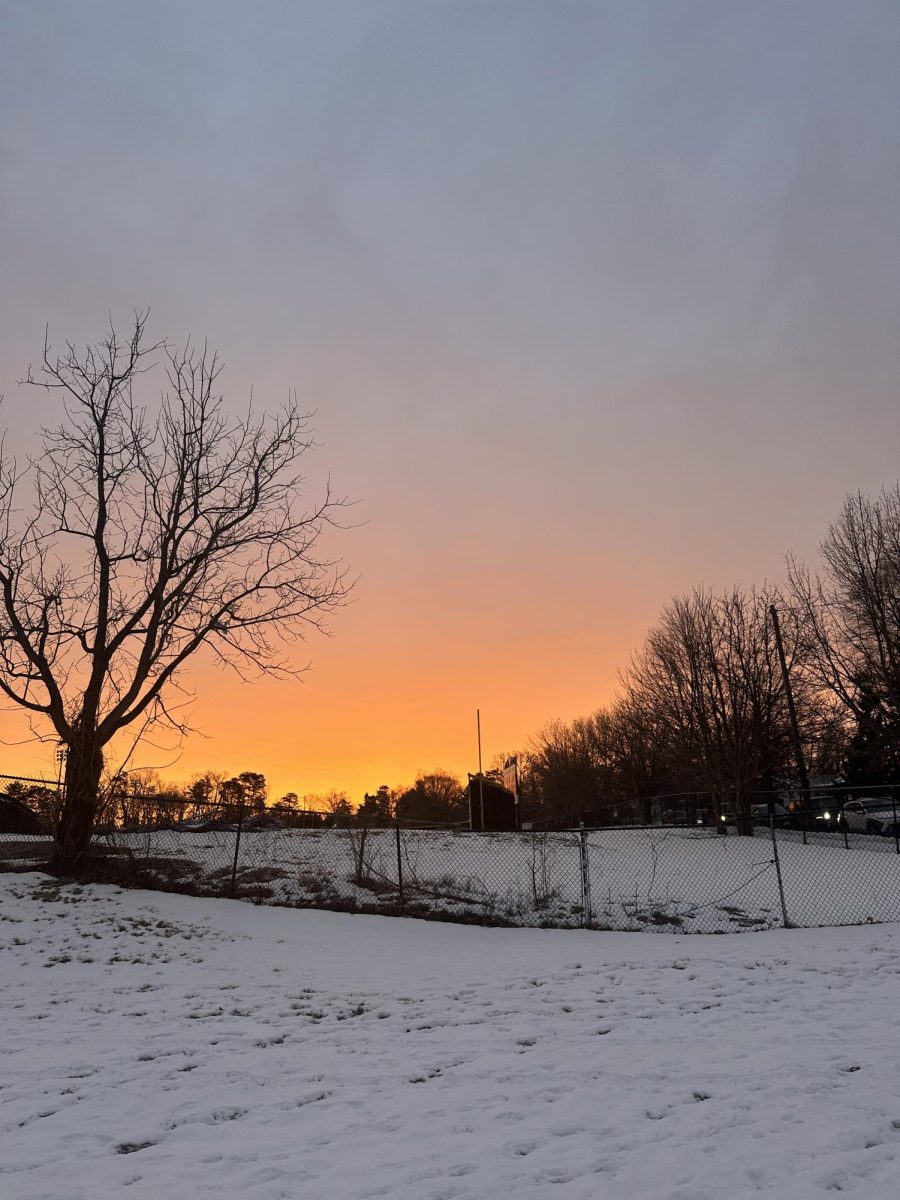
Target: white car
[866, 815]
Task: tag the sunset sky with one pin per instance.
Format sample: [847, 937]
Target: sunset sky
[594, 302]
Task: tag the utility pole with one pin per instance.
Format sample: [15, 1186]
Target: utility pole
[480, 772]
[792, 711]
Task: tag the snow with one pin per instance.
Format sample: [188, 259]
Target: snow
[160, 1045]
[661, 880]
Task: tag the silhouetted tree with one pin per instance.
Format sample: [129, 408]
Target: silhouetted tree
[41, 799]
[602, 767]
[851, 613]
[377, 806]
[873, 748]
[437, 796]
[231, 797]
[291, 811]
[253, 790]
[336, 805]
[709, 673]
[134, 537]
[562, 766]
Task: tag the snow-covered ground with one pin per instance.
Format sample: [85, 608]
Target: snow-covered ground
[664, 880]
[157, 1046]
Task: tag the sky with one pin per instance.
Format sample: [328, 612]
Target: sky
[594, 302]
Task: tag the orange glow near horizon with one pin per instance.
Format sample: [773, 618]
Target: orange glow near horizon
[331, 731]
[590, 310]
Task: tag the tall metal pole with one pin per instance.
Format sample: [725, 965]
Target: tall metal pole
[792, 711]
[480, 772]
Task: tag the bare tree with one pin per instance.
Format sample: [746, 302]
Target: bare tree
[336, 805]
[204, 792]
[710, 673]
[599, 768]
[852, 616]
[629, 748]
[136, 537]
[563, 767]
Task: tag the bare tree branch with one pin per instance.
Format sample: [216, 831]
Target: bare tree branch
[135, 538]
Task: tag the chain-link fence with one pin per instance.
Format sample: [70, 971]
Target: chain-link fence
[815, 866]
[321, 861]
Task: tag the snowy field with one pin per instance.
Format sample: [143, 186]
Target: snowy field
[662, 880]
[157, 1045]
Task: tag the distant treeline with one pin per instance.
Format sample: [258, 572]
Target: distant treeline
[702, 707]
[142, 799]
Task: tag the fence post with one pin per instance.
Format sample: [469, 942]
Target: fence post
[399, 864]
[585, 880]
[894, 810]
[784, 914]
[237, 850]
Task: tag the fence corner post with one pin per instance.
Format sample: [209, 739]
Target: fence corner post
[586, 916]
[237, 850]
[399, 864]
[777, 860]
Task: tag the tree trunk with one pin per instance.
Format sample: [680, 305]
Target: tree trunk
[743, 819]
[84, 764]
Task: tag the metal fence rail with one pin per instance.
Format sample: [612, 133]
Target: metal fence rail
[788, 869]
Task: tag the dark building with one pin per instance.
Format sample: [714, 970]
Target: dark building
[491, 805]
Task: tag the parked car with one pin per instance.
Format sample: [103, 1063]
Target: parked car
[866, 815]
[826, 820]
[675, 816]
[760, 815]
[882, 811]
